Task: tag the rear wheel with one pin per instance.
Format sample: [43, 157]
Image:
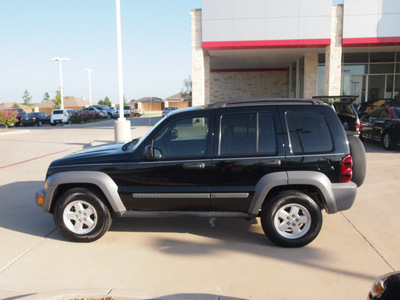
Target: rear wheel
[291, 219]
[387, 141]
[81, 216]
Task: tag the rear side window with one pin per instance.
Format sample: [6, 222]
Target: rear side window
[247, 133]
[308, 132]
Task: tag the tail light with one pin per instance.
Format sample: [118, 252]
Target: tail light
[347, 172]
[33, 118]
[358, 125]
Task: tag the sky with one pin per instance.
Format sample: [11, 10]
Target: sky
[156, 48]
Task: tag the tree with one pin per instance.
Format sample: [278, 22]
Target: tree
[105, 102]
[46, 97]
[27, 98]
[15, 105]
[57, 100]
[186, 92]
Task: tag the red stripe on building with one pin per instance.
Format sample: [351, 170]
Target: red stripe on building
[371, 42]
[270, 44]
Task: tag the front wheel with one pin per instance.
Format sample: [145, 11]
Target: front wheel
[81, 216]
[291, 219]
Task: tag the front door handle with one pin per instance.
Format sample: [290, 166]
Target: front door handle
[271, 163]
[190, 166]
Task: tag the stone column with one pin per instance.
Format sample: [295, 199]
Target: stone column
[200, 63]
[310, 74]
[333, 54]
[298, 83]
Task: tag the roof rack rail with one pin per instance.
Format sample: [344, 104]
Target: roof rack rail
[266, 101]
[339, 98]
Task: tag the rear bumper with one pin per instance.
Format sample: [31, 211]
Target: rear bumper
[344, 195]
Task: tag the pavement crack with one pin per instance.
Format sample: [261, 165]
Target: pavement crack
[25, 252]
[369, 243]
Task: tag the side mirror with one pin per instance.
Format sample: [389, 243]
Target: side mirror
[148, 152]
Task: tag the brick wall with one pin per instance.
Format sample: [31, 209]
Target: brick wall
[239, 85]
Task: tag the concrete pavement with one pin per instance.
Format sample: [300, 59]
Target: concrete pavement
[182, 257]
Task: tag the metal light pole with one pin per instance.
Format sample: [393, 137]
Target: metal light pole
[60, 60]
[122, 128]
[90, 85]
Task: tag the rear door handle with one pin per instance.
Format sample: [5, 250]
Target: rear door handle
[190, 166]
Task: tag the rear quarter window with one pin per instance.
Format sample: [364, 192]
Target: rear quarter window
[308, 132]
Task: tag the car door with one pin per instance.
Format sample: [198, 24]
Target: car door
[379, 124]
[176, 176]
[368, 124]
[247, 147]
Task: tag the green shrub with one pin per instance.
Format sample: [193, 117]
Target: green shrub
[8, 117]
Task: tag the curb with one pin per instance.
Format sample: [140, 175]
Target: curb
[117, 294]
[11, 131]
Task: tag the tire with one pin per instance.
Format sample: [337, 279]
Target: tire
[291, 219]
[69, 215]
[357, 151]
[387, 141]
[39, 124]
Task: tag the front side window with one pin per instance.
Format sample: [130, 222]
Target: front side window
[183, 138]
[308, 132]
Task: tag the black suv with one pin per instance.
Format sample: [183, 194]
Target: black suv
[281, 160]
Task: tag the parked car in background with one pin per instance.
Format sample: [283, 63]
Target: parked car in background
[103, 110]
[386, 287]
[21, 114]
[167, 110]
[113, 112]
[382, 125]
[137, 112]
[36, 118]
[128, 111]
[344, 107]
[61, 116]
[94, 110]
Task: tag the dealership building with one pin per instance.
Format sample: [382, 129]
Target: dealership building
[295, 48]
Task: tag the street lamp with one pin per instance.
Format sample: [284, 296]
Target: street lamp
[122, 127]
[90, 85]
[60, 60]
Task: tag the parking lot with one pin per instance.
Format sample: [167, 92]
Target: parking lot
[156, 258]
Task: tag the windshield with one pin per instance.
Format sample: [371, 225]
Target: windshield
[139, 141]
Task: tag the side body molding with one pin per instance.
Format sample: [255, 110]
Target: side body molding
[101, 180]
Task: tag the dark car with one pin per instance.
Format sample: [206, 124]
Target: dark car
[167, 110]
[382, 125]
[386, 287]
[21, 114]
[281, 160]
[35, 118]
